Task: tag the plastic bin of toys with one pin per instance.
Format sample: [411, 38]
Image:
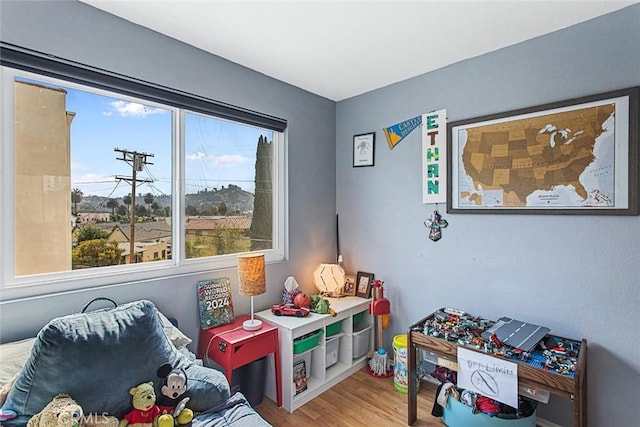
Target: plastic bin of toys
[457, 414]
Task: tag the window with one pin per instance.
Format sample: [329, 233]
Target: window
[110, 180]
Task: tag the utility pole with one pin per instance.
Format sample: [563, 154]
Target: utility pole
[137, 161]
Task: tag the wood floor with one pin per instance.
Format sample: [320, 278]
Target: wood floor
[360, 400]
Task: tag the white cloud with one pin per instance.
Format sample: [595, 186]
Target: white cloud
[197, 156]
[132, 109]
[223, 160]
[229, 160]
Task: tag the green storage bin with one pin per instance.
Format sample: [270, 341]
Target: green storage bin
[306, 342]
[358, 317]
[333, 328]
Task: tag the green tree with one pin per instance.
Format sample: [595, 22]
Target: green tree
[127, 200]
[113, 205]
[76, 197]
[92, 232]
[141, 210]
[96, 253]
[148, 199]
[222, 209]
[198, 247]
[260, 232]
[228, 241]
[155, 207]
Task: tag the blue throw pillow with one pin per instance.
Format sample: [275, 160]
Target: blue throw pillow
[97, 357]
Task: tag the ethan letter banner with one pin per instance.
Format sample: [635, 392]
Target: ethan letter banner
[434, 157]
[488, 376]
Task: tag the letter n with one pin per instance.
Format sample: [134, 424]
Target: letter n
[433, 187]
[433, 154]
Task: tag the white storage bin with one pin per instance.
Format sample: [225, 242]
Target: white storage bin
[361, 337]
[332, 345]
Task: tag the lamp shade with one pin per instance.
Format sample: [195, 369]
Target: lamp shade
[252, 281]
[251, 274]
[328, 277]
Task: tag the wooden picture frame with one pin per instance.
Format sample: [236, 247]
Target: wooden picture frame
[349, 288]
[577, 156]
[363, 284]
[364, 149]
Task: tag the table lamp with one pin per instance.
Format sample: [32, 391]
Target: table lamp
[252, 281]
[329, 278]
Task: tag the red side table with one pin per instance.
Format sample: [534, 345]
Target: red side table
[232, 347]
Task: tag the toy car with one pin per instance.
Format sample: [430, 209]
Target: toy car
[289, 310]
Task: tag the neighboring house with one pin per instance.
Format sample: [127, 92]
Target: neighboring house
[40, 127]
[117, 235]
[145, 251]
[153, 239]
[91, 217]
[206, 226]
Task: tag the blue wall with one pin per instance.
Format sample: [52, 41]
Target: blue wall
[577, 275]
[78, 32]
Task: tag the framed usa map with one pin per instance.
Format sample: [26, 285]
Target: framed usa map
[572, 157]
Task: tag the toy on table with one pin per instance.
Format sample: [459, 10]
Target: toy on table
[63, 411]
[289, 310]
[321, 305]
[173, 397]
[144, 410]
[290, 290]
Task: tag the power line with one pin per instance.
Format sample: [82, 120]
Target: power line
[137, 161]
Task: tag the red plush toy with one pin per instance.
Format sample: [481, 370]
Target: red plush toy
[302, 300]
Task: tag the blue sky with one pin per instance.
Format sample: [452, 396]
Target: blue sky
[217, 152]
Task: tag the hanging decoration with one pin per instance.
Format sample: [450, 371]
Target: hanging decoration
[435, 224]
[434, 157]
[399, 131]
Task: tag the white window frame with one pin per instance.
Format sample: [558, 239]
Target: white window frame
[12, 287]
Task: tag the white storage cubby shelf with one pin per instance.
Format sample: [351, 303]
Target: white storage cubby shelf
[322, 377]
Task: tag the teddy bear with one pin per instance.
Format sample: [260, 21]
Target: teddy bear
[63, 411]
[173, 397]
[145, 410]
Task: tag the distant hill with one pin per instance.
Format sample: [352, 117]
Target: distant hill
[234, 197]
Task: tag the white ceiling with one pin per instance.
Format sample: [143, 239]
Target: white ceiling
[339, 49]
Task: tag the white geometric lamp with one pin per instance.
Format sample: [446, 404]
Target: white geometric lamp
[252, 280]
[328, 278]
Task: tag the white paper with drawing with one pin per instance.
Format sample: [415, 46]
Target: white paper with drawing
[488, 376]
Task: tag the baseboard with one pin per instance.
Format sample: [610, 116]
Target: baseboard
[541, 422]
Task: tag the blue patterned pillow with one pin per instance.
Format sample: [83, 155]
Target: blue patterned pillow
[97, 357]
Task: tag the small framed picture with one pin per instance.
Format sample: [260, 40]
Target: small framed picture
[349, 285]
[363, 284]
[363, 149]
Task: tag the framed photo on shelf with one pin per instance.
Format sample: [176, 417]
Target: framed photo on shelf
[349, 285]
[363, 149]
[363, 284]
[577, 156]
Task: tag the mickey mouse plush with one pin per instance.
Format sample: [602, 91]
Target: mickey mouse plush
[173, 398]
